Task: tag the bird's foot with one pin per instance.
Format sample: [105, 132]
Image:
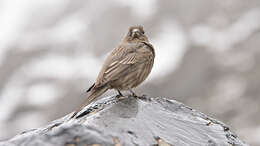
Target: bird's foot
[119, 94]
[133, 93]
[144, 97]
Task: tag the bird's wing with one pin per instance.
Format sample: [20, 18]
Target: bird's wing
[116, 64]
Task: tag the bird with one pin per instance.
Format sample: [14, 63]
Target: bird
[126, 67]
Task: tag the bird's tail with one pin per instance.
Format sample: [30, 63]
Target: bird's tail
[94, 93]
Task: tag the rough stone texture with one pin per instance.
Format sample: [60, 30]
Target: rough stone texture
[131, 121]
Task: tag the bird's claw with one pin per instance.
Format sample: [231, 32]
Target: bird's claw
[133, 93]
[119, 94]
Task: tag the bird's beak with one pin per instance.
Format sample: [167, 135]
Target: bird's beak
[135, 30]
[135, 33]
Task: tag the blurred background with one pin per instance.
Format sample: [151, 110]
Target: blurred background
[207, 56]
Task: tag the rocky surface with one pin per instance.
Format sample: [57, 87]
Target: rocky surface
[131, 121]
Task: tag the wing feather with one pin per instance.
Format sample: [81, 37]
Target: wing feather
[119, 68]
[115, 64]
[120, 62]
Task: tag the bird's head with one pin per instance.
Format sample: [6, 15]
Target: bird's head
[135, 34]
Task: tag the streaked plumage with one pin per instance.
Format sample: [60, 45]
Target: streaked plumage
[126, 67]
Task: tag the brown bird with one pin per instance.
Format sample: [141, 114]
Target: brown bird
[126, 67]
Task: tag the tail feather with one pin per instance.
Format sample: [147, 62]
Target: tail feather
[94, 93]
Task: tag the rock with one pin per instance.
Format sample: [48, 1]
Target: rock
[128, 121]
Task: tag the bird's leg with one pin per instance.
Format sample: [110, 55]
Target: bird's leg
[119, 94]
[133, 93]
